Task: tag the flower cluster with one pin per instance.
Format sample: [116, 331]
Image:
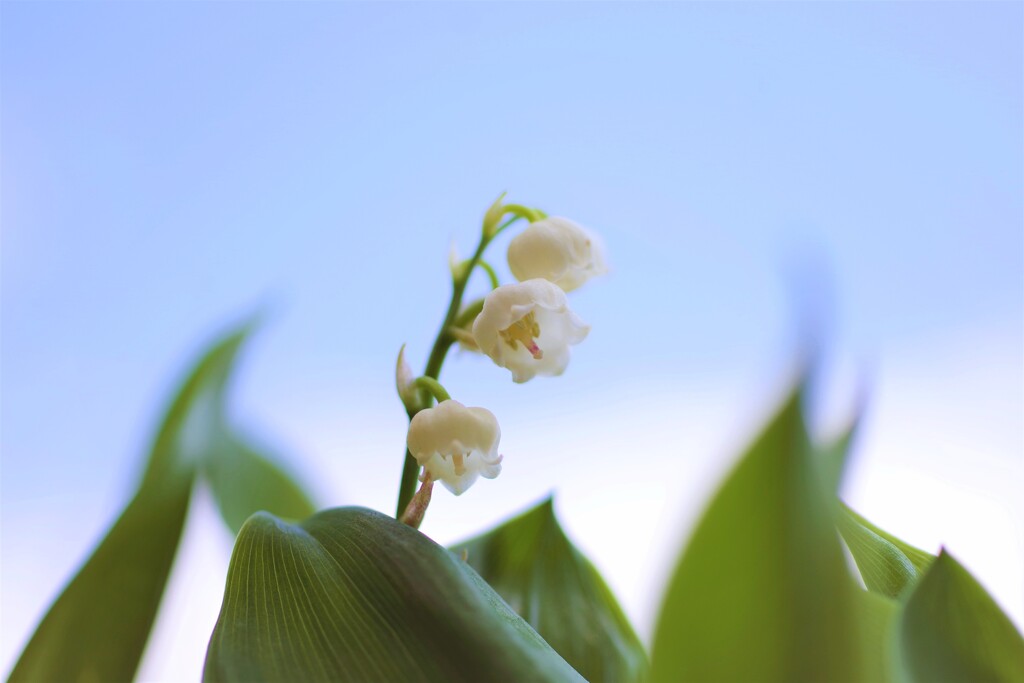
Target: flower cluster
[526, 327]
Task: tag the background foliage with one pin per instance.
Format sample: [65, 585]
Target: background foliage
[351, 594]
[148, 189]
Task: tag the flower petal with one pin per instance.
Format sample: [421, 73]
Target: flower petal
[440, 434]
[559, 328]
[559, 250]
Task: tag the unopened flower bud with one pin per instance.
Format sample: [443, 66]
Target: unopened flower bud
[558, 250]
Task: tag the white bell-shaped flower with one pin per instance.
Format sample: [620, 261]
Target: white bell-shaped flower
[558, 250]
[528, 328]
[456, 444]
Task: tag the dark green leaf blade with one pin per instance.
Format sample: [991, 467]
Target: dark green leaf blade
[531, 563]
[952, 630]
[762, 592]
[244, 481]
[888, 565]
[353, 595]
[97, 628]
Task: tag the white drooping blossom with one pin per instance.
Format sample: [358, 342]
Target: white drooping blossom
[528, 328]
[558, 250]
[456, 444]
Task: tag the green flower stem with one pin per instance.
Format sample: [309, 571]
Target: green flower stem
[469, 313]
[444, 339]
[501, 228]
[523, 212]
[442, 343]
[434, 387]
[491, 275]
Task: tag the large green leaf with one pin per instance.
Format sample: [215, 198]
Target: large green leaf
[98, 627]
[875, 614]
[876, 619]
[244, 481]
[531, 563]
[353, 595]
[952, 630]
[762, 592]
[888, 565]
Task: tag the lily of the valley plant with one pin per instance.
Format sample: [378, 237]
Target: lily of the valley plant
[526, 327]
[762, 591]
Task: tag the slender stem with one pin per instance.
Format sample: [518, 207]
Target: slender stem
[523, 212]
[434, 387]
[504, 225]
[410, 471]
[442, 343]
[444, 339]
[491, 275]
[501, 228]
[468, 314]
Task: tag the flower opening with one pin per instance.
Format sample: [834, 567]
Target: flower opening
[524, 331]
[528, 329]
[455, 444]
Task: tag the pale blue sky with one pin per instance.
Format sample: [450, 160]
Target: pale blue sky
[166, 167]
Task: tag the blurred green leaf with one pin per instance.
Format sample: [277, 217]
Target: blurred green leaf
[244, 481]
[98, 627]
[835, 456]
[353, 595]
[531, 563]
[875, 613]
[876, 619]
[952, 630]
[762, 592]
[888, 565]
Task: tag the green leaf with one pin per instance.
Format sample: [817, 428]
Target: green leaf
[98, 627]
[875, 613]
[835, 456]
[531, 563]
[888, 565]
[949, 629]
[353, 595]
[244, 481]
[876, 618]
[952, 630]
[762, 592]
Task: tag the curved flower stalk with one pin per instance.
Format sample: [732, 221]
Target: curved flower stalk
[528, 328]
[455, 444]
[558, 250]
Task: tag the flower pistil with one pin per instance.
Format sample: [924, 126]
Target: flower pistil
[524, 331]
